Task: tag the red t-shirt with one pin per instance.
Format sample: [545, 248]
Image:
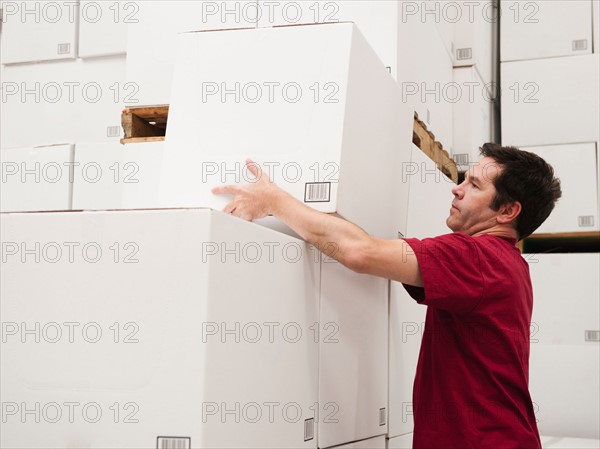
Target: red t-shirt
[471, 386]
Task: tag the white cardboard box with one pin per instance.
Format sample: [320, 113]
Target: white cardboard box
[551, 101]
[65, 101]
[377, 20]
[563, 381]
[429, 203]
[99, 175]
[114, 176]
[180, 323]
[353, 356]
[147, 160]
[103, 27]
[473, 37]
[576, 166]
[151, 42]
[552, 323]
[472, 120]
[426, 83]
[36, 178]
[331, 131]
[38, 31]
[541, 29]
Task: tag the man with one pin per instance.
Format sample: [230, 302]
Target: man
[471, 385]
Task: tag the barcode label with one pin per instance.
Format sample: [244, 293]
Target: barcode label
[580, 44]
[592, 335]
[317, 192]
[464, 53]
[309, 429]
[64, 49]
[113, 131]
[461, 159]
[173, 443]
[382, 416]
[586, 221]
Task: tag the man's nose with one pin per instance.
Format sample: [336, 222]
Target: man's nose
[457, 191]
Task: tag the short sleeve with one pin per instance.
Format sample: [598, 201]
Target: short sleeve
[451, 271]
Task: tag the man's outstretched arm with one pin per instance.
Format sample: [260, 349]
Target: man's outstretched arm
[337, 238]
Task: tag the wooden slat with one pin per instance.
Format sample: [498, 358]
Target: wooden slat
[425, 140]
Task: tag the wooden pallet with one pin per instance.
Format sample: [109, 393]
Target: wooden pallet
[144, 123]
[149, 123]
[425, 140]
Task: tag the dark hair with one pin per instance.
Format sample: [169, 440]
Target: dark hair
[527, 178]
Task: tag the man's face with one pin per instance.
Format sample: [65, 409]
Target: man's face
[470, 212]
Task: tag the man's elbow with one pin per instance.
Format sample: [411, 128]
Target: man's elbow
[357, 257]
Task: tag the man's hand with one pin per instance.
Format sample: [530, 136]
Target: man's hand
[253, 201]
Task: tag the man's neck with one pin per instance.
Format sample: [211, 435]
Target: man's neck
[499, 231]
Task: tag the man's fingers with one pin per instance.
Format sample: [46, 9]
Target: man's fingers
[229, 208]
[254, 168]
[226, 190]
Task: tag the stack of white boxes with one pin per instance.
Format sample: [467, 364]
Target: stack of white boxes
[473, 79]
[427, 185]
[63, 85]
[318, 110]
[550, 91]
[336, 116]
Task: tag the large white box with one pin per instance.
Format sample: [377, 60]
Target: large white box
[103, 27]
[550, 101]
[65, 101]
[551, 322]
[473, 37]
[576, 167]
[426, 82]
[541, 29]
[472, 116]
[331, 131]
[563, 381]
[179, 323]
[377, 20]
[38, 31]
[36, 178]
[428, 207]
[353, 356]
[152, 40]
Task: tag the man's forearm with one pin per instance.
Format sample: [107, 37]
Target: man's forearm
[332, 235]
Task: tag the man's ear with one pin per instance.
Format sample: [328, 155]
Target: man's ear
[509, 212]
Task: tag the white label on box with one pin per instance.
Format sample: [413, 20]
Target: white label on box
[309, 429]
[592, 335]
[173, 443]
[317, 192]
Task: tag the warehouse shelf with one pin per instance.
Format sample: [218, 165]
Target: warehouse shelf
[567, 242]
